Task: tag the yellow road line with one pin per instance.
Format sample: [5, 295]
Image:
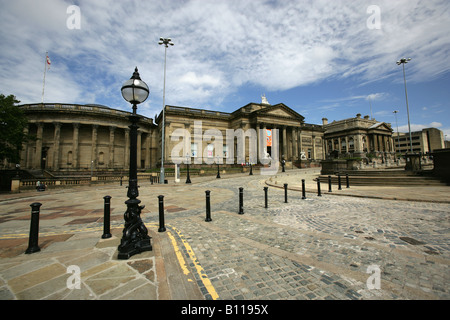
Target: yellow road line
[200, 271]
[178, 254]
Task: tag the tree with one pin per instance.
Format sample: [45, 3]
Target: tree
[12, 125]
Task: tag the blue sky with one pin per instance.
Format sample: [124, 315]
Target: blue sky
[322, 58]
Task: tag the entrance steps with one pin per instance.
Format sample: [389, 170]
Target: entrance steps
[385, 177]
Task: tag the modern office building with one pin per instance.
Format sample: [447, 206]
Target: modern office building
[423, 141]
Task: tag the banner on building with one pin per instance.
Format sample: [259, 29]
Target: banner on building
[269, 137]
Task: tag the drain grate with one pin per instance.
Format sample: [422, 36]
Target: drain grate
[412, 241]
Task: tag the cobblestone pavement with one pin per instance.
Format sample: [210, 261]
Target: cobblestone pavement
[328, 247]
[320, 247]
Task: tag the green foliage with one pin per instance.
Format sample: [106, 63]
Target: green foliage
[12, 125]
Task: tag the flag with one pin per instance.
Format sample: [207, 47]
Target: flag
[48, 62]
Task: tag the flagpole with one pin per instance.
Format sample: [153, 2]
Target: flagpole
[45, 71]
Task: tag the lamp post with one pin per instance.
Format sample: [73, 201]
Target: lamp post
[135, 237]
[188, 160]
[166, 42]
[402, 62]
[218, 169]
[398, 134]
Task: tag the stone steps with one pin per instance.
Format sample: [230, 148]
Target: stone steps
[386, 180]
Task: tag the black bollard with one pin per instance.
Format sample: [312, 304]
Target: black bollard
[106, 218]
[34, 229]
[329, 183]
[346, 179]
[241, 200]
[120, 181]
[162, 228]
[303, 189]
[208, 206]
[339, 182]
[265, 197]
[251, 170]
[319, 194]
[285, 192]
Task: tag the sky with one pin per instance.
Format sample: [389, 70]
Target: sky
[322, 58]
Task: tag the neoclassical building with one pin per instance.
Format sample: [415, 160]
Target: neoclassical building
[356, 137]
[84, 137]
[297, 141]
[71, 137]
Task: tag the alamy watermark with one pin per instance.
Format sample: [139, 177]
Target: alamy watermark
[374, 280]
[217, 148]
[74, 20]
[374, 20]
[74, 281]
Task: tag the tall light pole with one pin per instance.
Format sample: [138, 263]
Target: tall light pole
[402, 62]
[166, 42]
[398, 135]
[135, 237]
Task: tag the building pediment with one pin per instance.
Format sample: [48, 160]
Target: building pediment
[279, 110]
[380, 126]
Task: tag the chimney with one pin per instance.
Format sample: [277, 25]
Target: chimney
[324, 121]
[358, 116]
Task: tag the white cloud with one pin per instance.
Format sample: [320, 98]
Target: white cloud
[219, 46]
[419, 127]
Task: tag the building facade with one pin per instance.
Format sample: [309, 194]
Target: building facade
[424, 141]
[297, 140]
[73, 137]
[358, 137]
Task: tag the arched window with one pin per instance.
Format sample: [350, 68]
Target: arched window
[69, 158]
[343, 145]
[351, 144]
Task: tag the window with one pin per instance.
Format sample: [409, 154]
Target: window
[194, 150]
[101, 158]
[210, 150]
[351, 144]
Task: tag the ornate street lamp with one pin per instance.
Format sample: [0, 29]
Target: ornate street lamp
[135, 238]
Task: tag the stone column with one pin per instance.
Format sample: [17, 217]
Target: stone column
[24, 156]
[147, 150]
[295, 143]
[94, 153]
[38, 156]
[76, 128]
[300, 142]
[313, 148]
[346, 144]
[111, 147]
[284, 151]
[56, 144]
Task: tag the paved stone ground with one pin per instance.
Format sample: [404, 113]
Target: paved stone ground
[313, 248]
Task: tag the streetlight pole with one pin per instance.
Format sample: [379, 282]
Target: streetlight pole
[402, 62]
[398, 134]
[166, 42]
[135, 237]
